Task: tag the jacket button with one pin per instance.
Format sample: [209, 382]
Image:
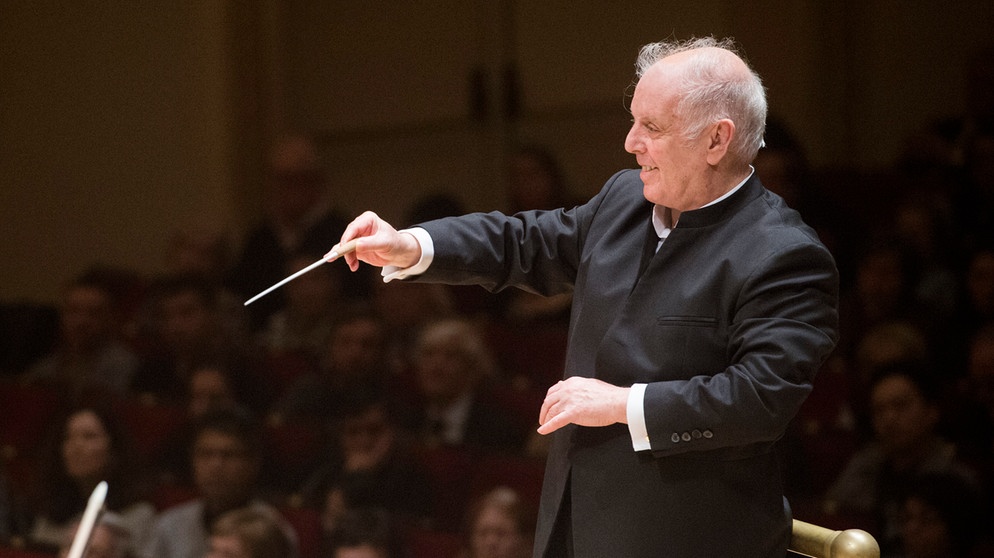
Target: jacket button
[696, 434]
[708, 434]
[686, 436]
[675, 437]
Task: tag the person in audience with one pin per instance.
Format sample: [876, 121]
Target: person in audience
[91, 355]
[372, 465]
[88, 446]
[941, 517]
[299, 219]
[189, 334]
[352, 357]
[110, 538]
[971, 407]
[303, 324]
[211, 387]
[454, 368]
[499, 525]
[250, 533]
[905, 412]
[363, 533]
[226, 458]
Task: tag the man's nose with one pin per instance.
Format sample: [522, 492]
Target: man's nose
[633, 143]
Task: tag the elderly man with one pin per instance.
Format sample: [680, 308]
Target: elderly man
[702, 308]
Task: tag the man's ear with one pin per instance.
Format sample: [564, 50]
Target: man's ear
[720, 136]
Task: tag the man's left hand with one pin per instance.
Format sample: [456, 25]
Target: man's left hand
[583, 401]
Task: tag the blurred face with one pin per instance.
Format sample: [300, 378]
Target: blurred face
[496, 536]
[923, 532]
[367, 439]
[209, 390]
[443, 370]
[223, 470]
[86, 448]
[187, 321]
[87, 318]
[355, 345]
[227, 546]
[902, 418]
[296, 179]
[674, 169]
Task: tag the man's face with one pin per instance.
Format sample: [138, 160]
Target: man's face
[86, 448]
[674, 169]
[87, 318]
[902, 418]
[186, 320]
[223, 469]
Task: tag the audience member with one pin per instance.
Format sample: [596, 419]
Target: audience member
[352, 358]
[202, 249]
[405, 308]
[299, 219]
[455, 369]
[250, 533]
[110, 538]
[88, 446]
[363, 533]
[372, 466]
[189, 333]
[302, 326]
[941, 517]
[904, 412]
[971, 408]
[226, 458]
[499, 525]
[209, 388]
[91, 355]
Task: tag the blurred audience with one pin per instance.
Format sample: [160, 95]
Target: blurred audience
[299, 218]
[352, 358]
[499, 525]
[88, 445]
[905, 412]
[455, 371]
[250, 533]
[188, 333]
[110, 538]
[371, 466]
[302, 326]
[942, 517]
[91, 356]
[363, 533]
[226, 458]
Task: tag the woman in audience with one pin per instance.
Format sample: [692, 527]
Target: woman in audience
[88, 447]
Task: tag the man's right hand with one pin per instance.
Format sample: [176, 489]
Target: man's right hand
[379, 243]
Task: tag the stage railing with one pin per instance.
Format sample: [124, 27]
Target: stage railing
[818, 542]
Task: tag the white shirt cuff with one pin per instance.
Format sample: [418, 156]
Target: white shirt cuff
[636, 418]
[391, 272]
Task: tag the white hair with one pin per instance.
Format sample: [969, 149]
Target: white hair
[711, 89]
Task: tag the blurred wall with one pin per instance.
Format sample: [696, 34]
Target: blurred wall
[120, 121]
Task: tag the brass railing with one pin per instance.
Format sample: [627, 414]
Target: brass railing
[819, 542]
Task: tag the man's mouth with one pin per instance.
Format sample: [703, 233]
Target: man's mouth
[647, 168]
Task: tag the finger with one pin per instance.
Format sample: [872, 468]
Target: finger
[555, 423]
